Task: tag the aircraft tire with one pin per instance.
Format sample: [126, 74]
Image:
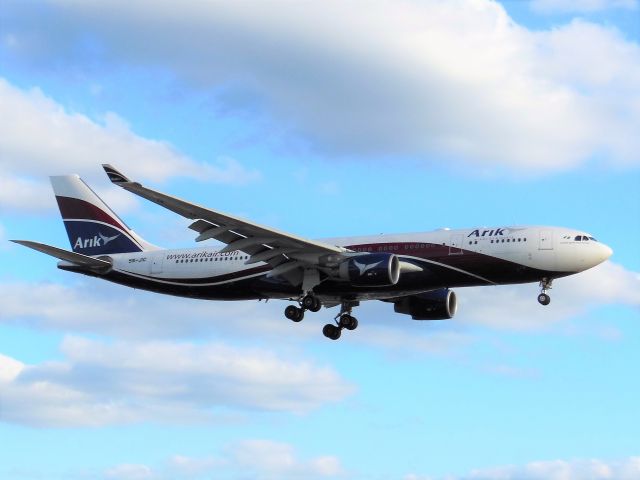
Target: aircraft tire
[310, 302]
[294, 313]
[348, 322]
[331, 331]
[544, 299]
[316, 307]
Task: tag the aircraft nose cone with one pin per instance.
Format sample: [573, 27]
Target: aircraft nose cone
[600, 253]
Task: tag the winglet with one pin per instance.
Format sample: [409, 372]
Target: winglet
[114, 175]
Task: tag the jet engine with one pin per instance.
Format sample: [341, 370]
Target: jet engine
[435, 305]
[371, 270]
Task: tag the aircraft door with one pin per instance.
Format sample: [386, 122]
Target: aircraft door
[545, 241]
[156, 263]
[455, 246]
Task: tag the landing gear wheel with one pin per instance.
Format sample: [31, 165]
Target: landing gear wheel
[294, 313]
[310, 302]
[331, 331]
[544, 299]
[354, 324]
[348, 322]
[316, 307]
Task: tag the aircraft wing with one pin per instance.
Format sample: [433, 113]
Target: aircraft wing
[281, 250]
[71, 257]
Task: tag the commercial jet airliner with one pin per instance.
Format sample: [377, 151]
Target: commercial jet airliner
[413, 271]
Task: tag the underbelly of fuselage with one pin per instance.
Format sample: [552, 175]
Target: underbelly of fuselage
[443, 272]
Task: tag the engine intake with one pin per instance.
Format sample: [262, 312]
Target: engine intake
[371, 270]
[435, 305]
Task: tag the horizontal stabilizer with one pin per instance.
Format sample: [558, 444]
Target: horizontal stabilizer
[76, 258]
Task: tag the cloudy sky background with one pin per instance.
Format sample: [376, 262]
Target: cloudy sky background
[323, 119]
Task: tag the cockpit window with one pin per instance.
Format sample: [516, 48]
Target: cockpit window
[578, 238]
[591, 238]
[585, 238]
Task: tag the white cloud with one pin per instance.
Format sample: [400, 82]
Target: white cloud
[268, 459]
[101, 383]
[39, 137]
[515, 306]
[130, 471]
[144, 315]
[580, 6]
[3, 237]
[185, 466]
[258, 459]
[18, 193]
[9, 368]
[591, 469]
[386, 78]
[87, 306]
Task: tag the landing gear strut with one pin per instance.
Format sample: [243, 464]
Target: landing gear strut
[344, 319]
[545, 284]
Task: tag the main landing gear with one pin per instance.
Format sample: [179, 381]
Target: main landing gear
[343, 320]
[545, 284]
[308, 302]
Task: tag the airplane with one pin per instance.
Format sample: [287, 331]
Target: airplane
[414, 271]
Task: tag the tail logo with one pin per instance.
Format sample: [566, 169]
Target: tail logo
[99, 240]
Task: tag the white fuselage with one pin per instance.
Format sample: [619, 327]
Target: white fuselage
[466, 257]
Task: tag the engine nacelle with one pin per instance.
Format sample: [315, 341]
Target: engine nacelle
[371, 270]
[436, 305]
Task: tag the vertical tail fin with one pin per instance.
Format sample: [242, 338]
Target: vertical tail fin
[93, 228]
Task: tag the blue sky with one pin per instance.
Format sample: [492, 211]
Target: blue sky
[323, 119]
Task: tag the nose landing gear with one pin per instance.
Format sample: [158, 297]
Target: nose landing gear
[545, 284]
